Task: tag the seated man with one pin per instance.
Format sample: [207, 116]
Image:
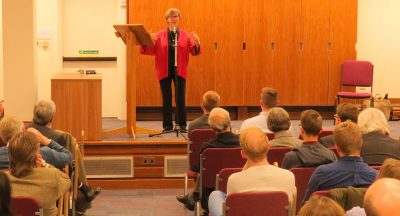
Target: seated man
[257, 174]
[349, 169]
[268, 100]
[279, 123]
[210, 101]
[51, 151]
[43, 113]
[31, 176]
[344, 112]
[383, 198]
[377, 145]
[220, 122]
[311, 153]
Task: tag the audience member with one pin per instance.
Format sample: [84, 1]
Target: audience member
[268, 100]
[220, 122]
[279, 123]
[321, 206]
[377, 145]
[389, 169]
[51, 151]
[344, 112]
[210, 100]
[257, 174]
[5, 195]
[311, 153]
[43, 113]
[349, 169]
[383, 198]
[31, 176]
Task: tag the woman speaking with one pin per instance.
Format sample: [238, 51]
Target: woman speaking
[171, 50]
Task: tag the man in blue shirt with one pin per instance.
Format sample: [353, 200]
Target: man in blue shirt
[349, 169]
[52, 152]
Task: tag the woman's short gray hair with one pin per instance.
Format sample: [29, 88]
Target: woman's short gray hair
[278, 120]
[219, 119]
[172, 11]
[372, 119]
[43, 112]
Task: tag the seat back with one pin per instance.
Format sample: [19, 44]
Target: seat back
[196, 138]
[257, 203]
[357, 73]
[25, 206]
[276, 154]
[322, 133]
[222, 178]
[214, 160]
[335, 150]
[377, 168]
[302, 176]
[270, 136]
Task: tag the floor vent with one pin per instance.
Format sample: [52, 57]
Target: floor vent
[175, 166]
[109, 167]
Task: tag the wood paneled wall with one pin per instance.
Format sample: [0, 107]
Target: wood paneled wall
[295, 46]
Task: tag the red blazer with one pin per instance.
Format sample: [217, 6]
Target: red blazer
[186, 45]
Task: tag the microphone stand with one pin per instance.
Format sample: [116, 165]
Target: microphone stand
[176, 84]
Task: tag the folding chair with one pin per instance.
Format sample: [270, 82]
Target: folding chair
[63, 201]
[355, 73]
[213, 160]
[221, 180]
[196, 138]
[302, 176]
[75, 182]
[257, 203]
[276, 154]
[25, 206]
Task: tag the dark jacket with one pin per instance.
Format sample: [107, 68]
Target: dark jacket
[377, 147]
[327, 141]
[310, 154]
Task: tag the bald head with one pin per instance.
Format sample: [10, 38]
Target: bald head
[219, 120]
[255, 144]
[383, 198]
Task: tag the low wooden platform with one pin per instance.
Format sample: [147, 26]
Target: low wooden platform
[148, 166]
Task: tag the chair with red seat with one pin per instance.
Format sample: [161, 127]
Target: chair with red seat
[302, 176]
[196, 138]
[222, 178]
[25, 206]
[257, 203]
[356, 73]
[212, 161]
[276, 154]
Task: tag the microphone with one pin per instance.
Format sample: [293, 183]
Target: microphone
[174, 29]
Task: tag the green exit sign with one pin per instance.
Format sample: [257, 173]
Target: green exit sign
[91, 52]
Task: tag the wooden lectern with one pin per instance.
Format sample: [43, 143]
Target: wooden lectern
[132, 35]
[78, 100]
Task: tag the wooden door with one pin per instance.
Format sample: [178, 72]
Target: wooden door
[258, 53]
[229, 53]
[201, 74]
[314, 52]
[343, 39]
[285, 22]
